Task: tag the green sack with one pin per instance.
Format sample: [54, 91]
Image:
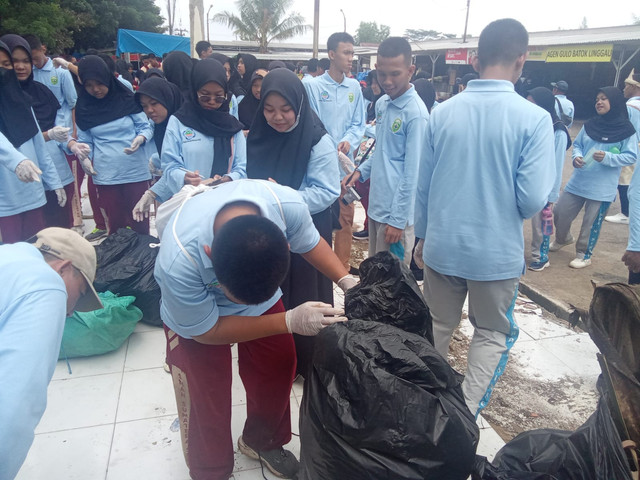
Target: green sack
[100, 331]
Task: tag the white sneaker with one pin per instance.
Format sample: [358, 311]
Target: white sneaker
[580, 262]
[617, 218]
[555, 245]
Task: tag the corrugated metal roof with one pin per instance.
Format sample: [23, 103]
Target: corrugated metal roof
[622, 34]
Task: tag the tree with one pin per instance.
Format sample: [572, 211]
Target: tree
[421, 35]
[369, 32]
[263, 21]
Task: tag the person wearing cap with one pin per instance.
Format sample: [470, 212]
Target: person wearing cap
[44, 282]
[560, 90]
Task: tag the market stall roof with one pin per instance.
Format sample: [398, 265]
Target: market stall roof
[304, 50]
[133, 41]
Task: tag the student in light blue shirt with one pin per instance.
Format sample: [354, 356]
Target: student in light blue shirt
[339, 103]
[604, 145]
[223, 255]
[563, 104]
[43, 284]
[203, 140]
[489, 164]
[401, 123]
[111, 130]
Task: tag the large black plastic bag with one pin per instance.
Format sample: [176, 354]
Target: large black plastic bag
[389, 293]
[125, 266]
[593, 452]
[381, 403]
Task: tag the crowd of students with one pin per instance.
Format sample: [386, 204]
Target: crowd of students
[446, 185]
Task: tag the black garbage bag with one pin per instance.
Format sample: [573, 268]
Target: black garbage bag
[593, 452]
[389, 293]
[125, 266]
[381, 403]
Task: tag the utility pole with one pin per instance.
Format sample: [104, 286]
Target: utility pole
[316, 27]
[196, 23]
[466, 22]
[345, 19]
[208, 22]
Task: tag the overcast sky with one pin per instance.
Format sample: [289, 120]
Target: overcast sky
[442, 15]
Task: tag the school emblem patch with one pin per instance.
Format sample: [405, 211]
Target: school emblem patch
[54, 79]
[352, 97]
[324, 96]
[395, 126]
[189, 134]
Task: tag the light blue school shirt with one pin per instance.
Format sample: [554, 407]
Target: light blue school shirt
[634, 214]
[340, 106]
[192, 300]
[160, 188]
[16, 196]
[125, 82]
[33, 306]
[60, 82]
[634, 114]
[599, 181]
[489, 164]
[108, 141]
[401, 126]
[60, 161]
[233, 106]
[187, 148]
[567, 107]
[560, 143]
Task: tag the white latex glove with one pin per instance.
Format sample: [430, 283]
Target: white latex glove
[81, 150]
[417, 253]
[60, 62]
[59, 134]
[62, 196]
[141, 210]
[346, 282]
[311, 317]
[135, 144]
[155, 171]
[87, 166]
[27, 171]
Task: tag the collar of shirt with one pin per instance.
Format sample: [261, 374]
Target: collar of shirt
[48, 66]
[633, 99]
[561, 95]
[489, 85]
[329, 79]
[402, 100]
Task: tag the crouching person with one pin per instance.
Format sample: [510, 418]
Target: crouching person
[223, 256]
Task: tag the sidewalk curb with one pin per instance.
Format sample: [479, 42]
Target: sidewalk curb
[552, 305]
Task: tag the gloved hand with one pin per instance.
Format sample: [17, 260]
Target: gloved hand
[87, 166]
[135, 144]
[62, 197]
[80, 150]
[346, 282]
[417, 253]
[60, 62]
[155, 171]
[311, 317]
[141, 210]
[59, 134]
[27, 171]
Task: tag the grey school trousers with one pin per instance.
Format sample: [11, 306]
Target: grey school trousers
[377, 243]
[491, 306]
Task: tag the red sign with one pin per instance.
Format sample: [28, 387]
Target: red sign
[456, 56]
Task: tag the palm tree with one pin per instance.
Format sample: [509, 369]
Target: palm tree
[263, 21]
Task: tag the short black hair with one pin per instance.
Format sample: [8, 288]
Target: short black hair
[109, 61]
[33, 41]
[312, 65]
[202, 46]
[92, 51]
[250, 257]
[152, 56]
[336, 38]
[422, 74]
[502, 42]
[324, 64]
[394, 46]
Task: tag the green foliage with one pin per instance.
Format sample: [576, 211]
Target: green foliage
[263, 21]
[369, 32]
[78, 24]
[421, 35]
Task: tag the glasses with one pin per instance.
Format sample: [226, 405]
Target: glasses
[208, 98]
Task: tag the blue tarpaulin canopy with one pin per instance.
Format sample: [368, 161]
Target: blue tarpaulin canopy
[133, 41]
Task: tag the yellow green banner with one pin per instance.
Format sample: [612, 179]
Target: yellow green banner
[580, 53]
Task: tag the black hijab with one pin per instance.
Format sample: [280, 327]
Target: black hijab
[544, 98]
[219, 124]
[44, 102]
[424, 88]
[250, 66]
[177, 69]
[167, 94]
[249, 104]
[234, 76]
[16, 120]
[614, 126]
[123, 70]
[372, 97]
[155, 72]
[119, 102]
[276, 64]
[283, 156]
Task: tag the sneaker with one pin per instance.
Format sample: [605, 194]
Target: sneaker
[362, 235]
[281, 462]
[555, 245]
[618, 218]
[580, 262]
[538, 266]
[96, 234]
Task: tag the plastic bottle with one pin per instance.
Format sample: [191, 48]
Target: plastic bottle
[547, 221]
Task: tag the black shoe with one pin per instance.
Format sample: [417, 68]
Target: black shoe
[354, 271]
[281, 462]
[96, 235]
[361, 235]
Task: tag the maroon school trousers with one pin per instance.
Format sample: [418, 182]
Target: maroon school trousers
[19, 227]
[117, 202]
[202, 383]
[54, 214]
